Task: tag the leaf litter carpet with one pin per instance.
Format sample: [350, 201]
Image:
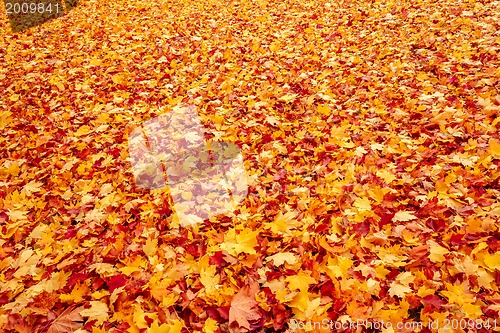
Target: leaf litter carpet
[370, 133]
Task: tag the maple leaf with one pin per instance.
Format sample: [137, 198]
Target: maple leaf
[244, 242]
[32, 187]
[282, 257]
[324, 109]
[150, 247]
[76, 294]
[386, 175]
[119, 78]
[300, 281]
[473, 311]
[494, 148]
[437, 252]
[403, 216]
[303, 306]
[210, 326]
[398, 289]
[288, 98]
[98, 311]
[17, 215]
[363, 204]
[155, 328]
[68, 321]
[244, 307]
[492, 261]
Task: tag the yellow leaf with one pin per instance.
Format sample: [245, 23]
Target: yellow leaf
[363, 204]
[83, 130]
[324, 74]
[186, 195]
[96, 330]
[495, 148]
[155, 328]
[118, 78]
[244, 242]
[210, 326]
[492, 261]
[5, 119]
[135, 266]
[381, 272]
[106, 189]
[14, 169]
[274, 47]
[32, 187]
[209, 278]
[405, 278]
[158, 286]
[288, 98]
[458, 293]
[398, 289]
[98, 311]
[281, 222]
[150, 247]
[76, 295]
[300, 301]
[280, 258]
[472, 311]
[17, 215]
[188, 219]
[485, 279]
[100, 294]
[324, 109]
[218, 119]
[422, 76]
[474, 224]
[403, 216]
[60, 86]
[480, 247]
[140, 317]
[300, 281]
[424, 291]
[387, 176]
[496, 121]
[10, 229]
[377, 193]
[55, 80]
[437, 252]
[169, 299]
[95, 62]
[339, 266]
[175, 327]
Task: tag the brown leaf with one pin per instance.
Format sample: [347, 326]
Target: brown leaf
[68, 321]
[243, 309]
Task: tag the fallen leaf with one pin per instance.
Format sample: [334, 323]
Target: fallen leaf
[244, 308]
[98, 311]
[68, 321]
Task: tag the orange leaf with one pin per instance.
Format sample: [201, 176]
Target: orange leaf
[242, 308]
[68, 321]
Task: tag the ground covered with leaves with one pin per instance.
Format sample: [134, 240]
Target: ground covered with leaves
[370, 133]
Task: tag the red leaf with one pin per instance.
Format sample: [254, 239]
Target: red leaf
[116, 281]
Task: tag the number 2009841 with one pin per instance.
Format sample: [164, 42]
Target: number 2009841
[31, 8]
